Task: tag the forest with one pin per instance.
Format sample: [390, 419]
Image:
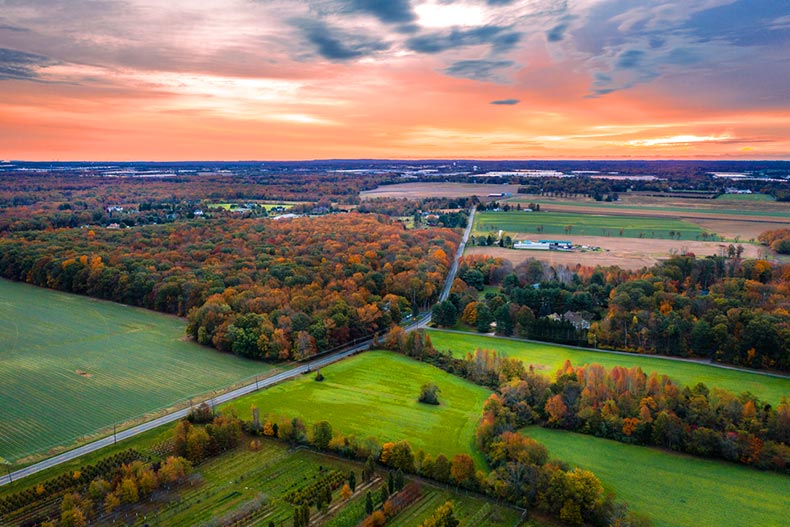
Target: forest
[725, 309]
[258, 288]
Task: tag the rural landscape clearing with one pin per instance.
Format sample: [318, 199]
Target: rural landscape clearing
[402, 263]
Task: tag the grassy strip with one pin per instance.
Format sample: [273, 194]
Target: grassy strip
[746, 197]
[547, 358]
[675, 490]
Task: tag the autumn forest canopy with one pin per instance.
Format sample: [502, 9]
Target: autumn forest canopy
[258, 288]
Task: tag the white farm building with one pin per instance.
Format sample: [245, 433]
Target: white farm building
[544, 245]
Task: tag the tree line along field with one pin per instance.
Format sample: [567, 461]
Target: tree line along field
[675, 490]
[569, 223]
[70, 366]
[547, 358]
[375, 394]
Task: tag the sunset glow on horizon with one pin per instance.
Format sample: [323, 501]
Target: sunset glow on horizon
[419, 79]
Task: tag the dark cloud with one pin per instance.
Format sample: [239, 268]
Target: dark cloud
[482, 70]
[335, 44]
[557, 33]
[388, 11]
[506, 102]
[13, 28]
[18, 65]
[630, 59]
[500, 38]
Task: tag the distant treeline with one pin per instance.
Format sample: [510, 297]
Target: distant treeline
[59, 199]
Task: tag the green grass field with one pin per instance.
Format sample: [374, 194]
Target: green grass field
[709, 207]
[745, 197]
[555, 224]
[70, 366]
[675, 490]
[547, 358]
[375, 394]
[231, 206]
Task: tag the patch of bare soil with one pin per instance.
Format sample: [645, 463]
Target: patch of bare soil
[83, 374]
[627, 253]
[745, 230]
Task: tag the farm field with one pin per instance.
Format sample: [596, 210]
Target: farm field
[547, 358]
[257, 482]
[627, 253]
[746, 197]
[247, 479]
[675, 490]
[267, 206]
[438, 190]
[375, 394]
[70, 366]
[553, 224]
[743, 220]
[469, 510]
[636, 203]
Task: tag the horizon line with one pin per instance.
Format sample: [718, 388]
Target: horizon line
[403, 160]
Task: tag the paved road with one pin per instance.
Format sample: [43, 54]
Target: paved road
[420, 322]
[454, 269]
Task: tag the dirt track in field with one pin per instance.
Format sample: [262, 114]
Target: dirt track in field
[628, 253]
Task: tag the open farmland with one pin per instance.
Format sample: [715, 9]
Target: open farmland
[641, 202]
[742, 219]
[549, 224]
[438, 190]
[469, 510]
[375, 394]
[675, 490]
[547, 358]
[628, 253]
[746, 197]
[70, 366]
[253, 484]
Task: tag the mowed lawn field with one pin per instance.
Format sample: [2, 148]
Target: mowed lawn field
[70, 366]
[375, 394]
[675, 490]
[746, 197]
[555, 224]
[547, 358]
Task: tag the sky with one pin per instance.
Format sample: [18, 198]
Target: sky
[406, 79]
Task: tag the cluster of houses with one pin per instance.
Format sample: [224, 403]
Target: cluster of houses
[579, 321]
